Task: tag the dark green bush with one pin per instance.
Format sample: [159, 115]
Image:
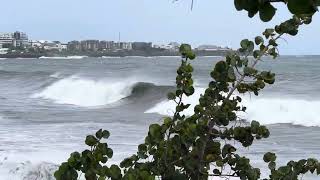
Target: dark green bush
[199, 146]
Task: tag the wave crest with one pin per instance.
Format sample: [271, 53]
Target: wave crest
[85, 92]
[90, 93]
[67, 57]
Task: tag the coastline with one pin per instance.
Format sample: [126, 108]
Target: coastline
[98, 54]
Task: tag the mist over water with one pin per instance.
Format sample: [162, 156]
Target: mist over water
[48, 106]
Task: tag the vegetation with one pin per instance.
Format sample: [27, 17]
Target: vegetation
[200, 146]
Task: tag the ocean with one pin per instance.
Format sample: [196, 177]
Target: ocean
[48, 106]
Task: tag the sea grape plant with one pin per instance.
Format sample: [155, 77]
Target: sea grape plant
[205, 144]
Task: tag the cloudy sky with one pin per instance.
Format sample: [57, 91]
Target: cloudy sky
[160, 21]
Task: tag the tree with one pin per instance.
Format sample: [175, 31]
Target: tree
[199, 146]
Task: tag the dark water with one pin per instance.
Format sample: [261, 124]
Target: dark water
[49, 105]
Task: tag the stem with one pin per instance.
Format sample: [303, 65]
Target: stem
[174, 119]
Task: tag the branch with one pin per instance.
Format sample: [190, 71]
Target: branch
[253, 65]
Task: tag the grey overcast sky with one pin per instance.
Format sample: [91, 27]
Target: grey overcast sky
[160, 21]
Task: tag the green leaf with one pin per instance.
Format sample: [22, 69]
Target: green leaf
[91, 140]
[167, 121]
[300, 7]
[184, 49]
[247, 45]
[189, 91]
[109, 152]
[258, 40]
[244, 43]
[115, 172]
[220, 71]
[272, 165]
[268, 32]
[231, 74]
[190, 55]
[269, 157]
[154, 130]
[227, 149]
[256, 53]
[105, 134]
[255, 126]
[99, 134]
[171, 96]
[249, 71]
[266, 12]
[239, 4]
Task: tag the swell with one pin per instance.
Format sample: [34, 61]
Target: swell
[20, 73]
[84, 92]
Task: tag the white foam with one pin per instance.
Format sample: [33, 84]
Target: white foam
[76, 57]
[110, 57]
[86, 92]
[278, 111]
[167, 108]
[265, 110]
[30, 165]
[67, 57]
[55, 75]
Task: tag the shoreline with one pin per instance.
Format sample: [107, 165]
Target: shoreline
[98, 54]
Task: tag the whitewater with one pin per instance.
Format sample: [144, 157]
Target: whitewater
[48, 106]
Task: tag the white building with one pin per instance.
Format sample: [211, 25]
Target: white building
[6, 39]
[173, 46]
[208, 48]
[35, 44]
[64, 47]
[53, 45]
[16, 39]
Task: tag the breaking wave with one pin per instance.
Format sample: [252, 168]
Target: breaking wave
[90, 93]
[67, 57]
[265, 110]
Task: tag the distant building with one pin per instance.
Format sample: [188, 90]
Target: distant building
[141, 45]
[90, 45]
[35, 44]
[6, 40]
[48, 45]
[211, 48]
[208, 48]
[74, 46]
[54, 46]
[64, 47]
[103, 45]
[106, 45]
[173, 46]
[20, 39]
[16, 39]
[125, 45]
[110, 45]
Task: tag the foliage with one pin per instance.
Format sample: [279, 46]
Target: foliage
[267, 10]
[200, 146]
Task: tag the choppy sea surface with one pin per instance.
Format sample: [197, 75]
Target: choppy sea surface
[48, 106]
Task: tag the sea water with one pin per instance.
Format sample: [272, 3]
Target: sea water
[49, 105]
